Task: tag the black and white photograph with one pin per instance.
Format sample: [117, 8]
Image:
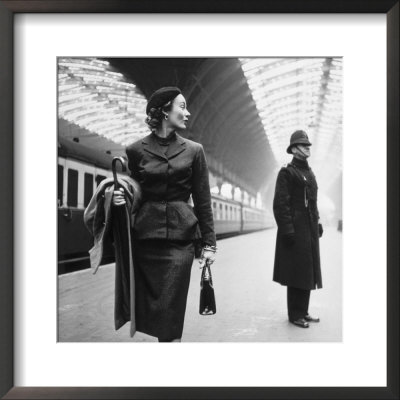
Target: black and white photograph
[219, 175]
[199, 199]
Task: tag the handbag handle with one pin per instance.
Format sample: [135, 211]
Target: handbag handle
[206, 269]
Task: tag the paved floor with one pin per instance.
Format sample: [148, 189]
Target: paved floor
[250, 306]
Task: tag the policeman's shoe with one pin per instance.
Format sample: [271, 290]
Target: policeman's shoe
[301, 322]
[309, 318]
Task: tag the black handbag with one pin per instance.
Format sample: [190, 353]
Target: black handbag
[207, 297]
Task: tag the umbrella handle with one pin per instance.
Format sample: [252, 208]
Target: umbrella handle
[114, 170]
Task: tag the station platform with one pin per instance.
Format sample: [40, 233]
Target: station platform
[250, 306]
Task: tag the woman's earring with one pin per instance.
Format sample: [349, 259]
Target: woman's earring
[166, 117]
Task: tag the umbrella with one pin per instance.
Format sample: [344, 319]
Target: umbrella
[124, 308]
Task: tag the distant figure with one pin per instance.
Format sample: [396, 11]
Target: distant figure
[297, 260]
[169, 169]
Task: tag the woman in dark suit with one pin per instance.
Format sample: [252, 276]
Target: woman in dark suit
[170, 169]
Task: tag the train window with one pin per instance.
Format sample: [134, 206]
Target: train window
[99, 178]
[72, 195]
[220, 211]
[230, 213]
[60, 185]
[88, 190]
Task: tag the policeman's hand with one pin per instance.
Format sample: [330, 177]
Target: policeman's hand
[320, 230]
[118, 197]
[207, 255]
[288, 239]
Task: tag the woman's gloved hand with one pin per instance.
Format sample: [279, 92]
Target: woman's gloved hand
[207, 254]
[288, 239]
[119, 197]
[320, 230]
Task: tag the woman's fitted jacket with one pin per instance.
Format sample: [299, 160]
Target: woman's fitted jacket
[167, 181]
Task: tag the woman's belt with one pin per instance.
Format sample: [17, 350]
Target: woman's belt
[166, 201]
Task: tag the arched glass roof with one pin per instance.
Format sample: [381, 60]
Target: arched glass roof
[300, 93]
[243, 110]
[94, 96]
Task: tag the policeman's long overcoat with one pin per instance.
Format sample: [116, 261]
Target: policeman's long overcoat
[295, 210]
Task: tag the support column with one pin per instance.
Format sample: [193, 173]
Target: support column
[219, 184]
[233, 188]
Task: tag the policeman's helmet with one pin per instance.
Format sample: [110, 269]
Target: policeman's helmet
[298, 137]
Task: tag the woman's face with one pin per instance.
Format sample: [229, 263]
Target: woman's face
[178, 115]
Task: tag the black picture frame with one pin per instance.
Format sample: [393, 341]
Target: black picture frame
[7, 11]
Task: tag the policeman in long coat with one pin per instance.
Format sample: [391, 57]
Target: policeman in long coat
[297, 259]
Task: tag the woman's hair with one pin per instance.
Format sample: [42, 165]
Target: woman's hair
[156, 115]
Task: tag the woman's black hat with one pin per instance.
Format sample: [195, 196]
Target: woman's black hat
[161, 97]
[298, 137]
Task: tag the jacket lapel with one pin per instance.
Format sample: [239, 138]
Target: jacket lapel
[176, 147]
[150, 145]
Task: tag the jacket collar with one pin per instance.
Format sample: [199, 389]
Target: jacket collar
[300, 163]
[176, 146]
